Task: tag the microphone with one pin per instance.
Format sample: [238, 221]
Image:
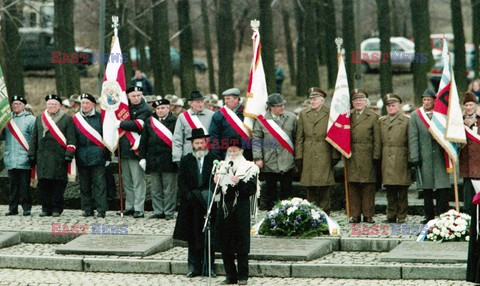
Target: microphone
[230, 165]
[215, 166]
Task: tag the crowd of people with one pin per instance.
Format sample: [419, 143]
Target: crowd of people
[178, 149]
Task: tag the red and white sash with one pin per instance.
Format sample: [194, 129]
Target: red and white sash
[472, 135]
[235, 122]
[278, 133]
[18, 135]
[60, 138]
[162, 131]
[134, 137]
[194, 122]
[87, 130]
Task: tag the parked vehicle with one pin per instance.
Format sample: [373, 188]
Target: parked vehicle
[199, 65]
[402, 54]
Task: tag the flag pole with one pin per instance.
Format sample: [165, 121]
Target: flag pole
[339, 42]
[455, 187]
[120, 183]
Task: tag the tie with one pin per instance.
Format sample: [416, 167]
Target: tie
[429, 114]
[199, 172]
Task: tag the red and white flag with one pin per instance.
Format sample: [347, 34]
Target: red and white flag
[338, 131]
[257, 94]
[114, 101]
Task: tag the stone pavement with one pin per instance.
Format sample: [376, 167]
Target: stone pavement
[177, 255]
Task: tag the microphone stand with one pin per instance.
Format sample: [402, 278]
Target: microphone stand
[206, 226]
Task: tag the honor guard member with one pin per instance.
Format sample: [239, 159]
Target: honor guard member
[428, 157]
[227, 124]
[313, 152]
[366, 151]
[273, 150]
[395, 170]
[156, 159]
[52, 149]
[132, 173]
[17, 135]
[197, 116]
[91, 157]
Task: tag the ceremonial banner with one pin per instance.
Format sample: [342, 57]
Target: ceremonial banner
[5, 112]
[113, 101]
[338, 130]
[257, 94]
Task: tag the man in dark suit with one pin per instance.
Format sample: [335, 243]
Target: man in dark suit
[194, 181]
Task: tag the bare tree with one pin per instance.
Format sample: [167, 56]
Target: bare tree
[384, 23]
[476, 34]
[459, 42]
[288, 43]
[225, 43]
[348, 38]
[187, 72]
[208, 47]
[299, 20]
[268, 45]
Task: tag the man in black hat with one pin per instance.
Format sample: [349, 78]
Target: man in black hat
[17, 135]
[194, 180]
[52, 154]
[156, 159]
[428, 157]
[270, 154]
[91, 157]
[132, 173]
[197, 116]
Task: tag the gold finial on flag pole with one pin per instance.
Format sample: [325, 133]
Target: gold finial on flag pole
[255, 24]
[115, 25]
[339, 42]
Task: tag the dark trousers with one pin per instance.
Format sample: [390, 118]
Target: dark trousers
[110, 184]
[271, 193]
[362, 199]
[51, 195]
[93, 188]
[442, 202]
[468, 194]
[19, 190]
[320, 196]
[198, 259]
[234, 274]
[397, 201]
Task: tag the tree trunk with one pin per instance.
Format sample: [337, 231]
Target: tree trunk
[225, 43]
[301, 83]
[331, 48]
[322, 44]
[310, 38]
[459, 67]
[187, 71]
[208, 47]
[384, 23]
[423, 51]
[66, 74]
[11, 41]
[395, 23]
[288, 45]
[476, 35]
[348, 39]
[142, 62]
[124, 37]
[161, 62]
[268, 45]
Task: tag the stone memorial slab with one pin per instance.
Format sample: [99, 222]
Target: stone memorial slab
[9, 238]
[128, 245]
[428, 252]
[285, 249]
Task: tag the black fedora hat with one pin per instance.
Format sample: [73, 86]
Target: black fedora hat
[195, 95]
[197, 133]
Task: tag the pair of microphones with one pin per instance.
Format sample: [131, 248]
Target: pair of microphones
[216, 164]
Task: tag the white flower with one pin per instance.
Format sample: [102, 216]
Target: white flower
[315, 214]
[290, 210]
[467, 238]
[436, 231]
[285, 202]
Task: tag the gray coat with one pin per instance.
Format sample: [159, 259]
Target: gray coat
[424, 148]
[180, 145]
[276, 158]
[16, 157]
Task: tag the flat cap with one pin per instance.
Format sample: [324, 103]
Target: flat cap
[275, 99]
[429, 92]
[231, 91]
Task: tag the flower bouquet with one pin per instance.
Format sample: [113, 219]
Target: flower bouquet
[295, 217]
[451, 226]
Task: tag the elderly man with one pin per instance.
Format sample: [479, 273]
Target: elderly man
[52, 148]
[313, 152]
[194, 180]
[91, 157]
[17, 136]
[132, 173]
[238, 182]
[395, 170]
[428, 157]
[195, 117]
[273, 150]
[366, 151]
[227, 123]
[156, 159]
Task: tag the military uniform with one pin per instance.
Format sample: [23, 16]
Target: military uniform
[361, 167]
[314, 156]
[395, 171]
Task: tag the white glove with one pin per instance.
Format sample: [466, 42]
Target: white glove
[107, 163]
[143, 164]
[117, 124]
